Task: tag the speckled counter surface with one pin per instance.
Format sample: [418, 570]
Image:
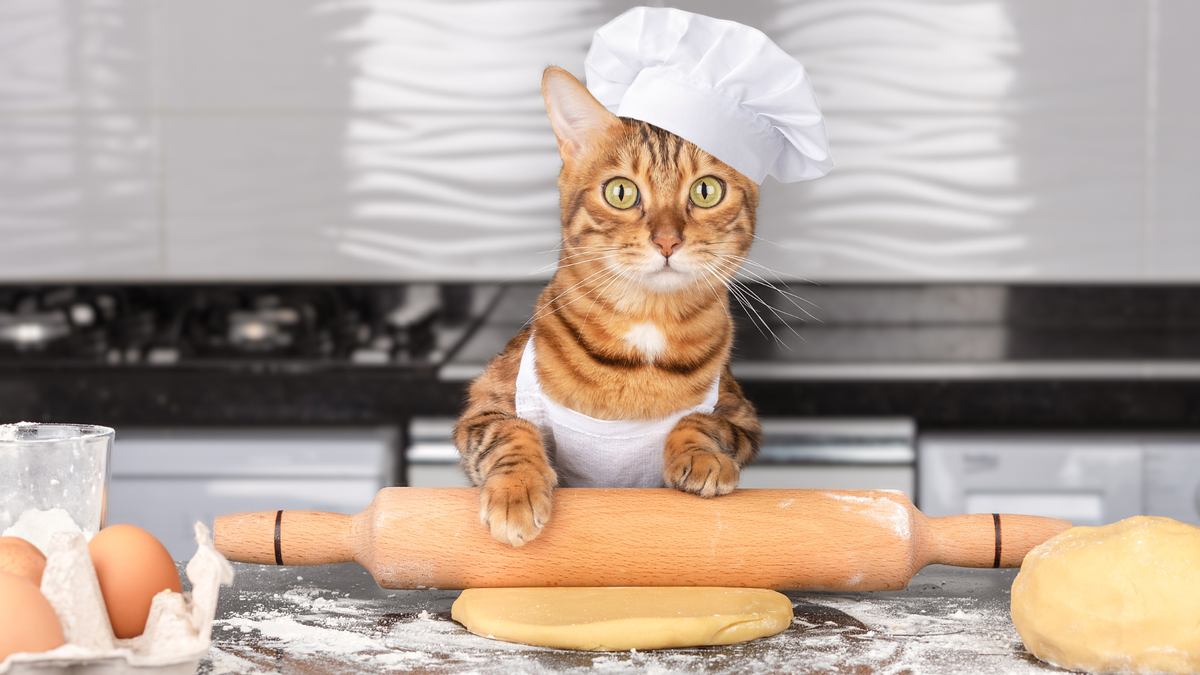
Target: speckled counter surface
[334, 619]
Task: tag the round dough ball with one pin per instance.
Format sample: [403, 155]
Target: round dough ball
[619, 619]
[1123, 598]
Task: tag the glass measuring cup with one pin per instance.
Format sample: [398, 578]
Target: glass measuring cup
[53, 477]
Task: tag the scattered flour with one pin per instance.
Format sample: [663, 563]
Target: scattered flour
[322, 631]
[305, 639]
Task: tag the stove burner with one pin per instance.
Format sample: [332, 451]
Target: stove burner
[398, 325]
[33, 331]
[264, 329]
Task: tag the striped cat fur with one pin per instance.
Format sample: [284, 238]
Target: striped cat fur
[635, 323]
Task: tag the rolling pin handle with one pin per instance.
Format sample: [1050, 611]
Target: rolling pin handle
[987, 539]
[285, 537]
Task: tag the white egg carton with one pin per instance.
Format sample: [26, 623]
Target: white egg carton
[178, 631]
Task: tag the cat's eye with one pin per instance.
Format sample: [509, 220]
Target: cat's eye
[707, 192]
[621, 193]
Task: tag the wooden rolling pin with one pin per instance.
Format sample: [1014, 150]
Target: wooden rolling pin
[416, 538]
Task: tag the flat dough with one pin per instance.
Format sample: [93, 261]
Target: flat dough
[618, 619]
[1123, 598]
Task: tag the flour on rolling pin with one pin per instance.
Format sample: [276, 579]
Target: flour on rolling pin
[887, 512]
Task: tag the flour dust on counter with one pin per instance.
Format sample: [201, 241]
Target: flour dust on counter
[334, 620]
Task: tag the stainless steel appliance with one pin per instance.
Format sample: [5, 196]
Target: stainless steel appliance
[1087, 478]
[165, 480]
[796, 453]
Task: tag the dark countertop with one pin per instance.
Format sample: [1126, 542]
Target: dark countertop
[335, 620]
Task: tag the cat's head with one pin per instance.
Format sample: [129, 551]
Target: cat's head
[641, 206]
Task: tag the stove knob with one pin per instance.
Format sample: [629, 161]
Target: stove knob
[82, 314]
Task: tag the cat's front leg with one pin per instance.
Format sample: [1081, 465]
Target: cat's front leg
[515, 480]
[704, 454]
[503, 454]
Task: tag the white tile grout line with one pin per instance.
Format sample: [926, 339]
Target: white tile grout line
[1150, 138]
[160, 161]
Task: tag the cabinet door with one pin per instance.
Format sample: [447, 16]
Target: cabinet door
[1089, 480]
[170, 507]
[1173, 479]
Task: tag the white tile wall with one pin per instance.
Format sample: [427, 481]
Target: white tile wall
[71, 55]
[1175, 239]
[253, 196]
[78, 196]
[266, 56]
[1175, 228]
[1048, 140]
[1178, 69]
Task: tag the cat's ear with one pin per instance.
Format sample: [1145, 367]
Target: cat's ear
[575, 114]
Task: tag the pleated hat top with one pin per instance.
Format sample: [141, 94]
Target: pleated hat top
[723, 86]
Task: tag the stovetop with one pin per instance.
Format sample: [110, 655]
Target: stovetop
[800, 331]
[947, 356]
[402, 325]
[808, 331]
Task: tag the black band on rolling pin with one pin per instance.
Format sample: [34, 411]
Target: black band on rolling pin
[279, 547]
[995, 519]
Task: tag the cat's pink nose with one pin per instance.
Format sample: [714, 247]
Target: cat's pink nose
[667, 244]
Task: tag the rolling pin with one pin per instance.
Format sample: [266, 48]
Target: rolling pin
[416, 538]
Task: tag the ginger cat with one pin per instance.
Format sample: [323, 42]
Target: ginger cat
[634, 328]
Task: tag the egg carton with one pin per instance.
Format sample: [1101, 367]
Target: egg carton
[178, 631]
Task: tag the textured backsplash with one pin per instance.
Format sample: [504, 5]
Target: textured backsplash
[986, 140]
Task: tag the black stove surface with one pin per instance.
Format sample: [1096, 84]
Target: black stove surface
[402, 325]
[946, 356]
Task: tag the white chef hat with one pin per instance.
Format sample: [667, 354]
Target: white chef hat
[721, 85]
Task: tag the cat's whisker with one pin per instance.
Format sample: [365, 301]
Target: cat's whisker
[747, 294]
[779, 313]
[576, 248]
[788, 295]
[627, 287]
[560, 265]
[555, 264]
[590, 249]
[760, 325]
[768, 241]
[537, 315]
[585, 250]
[619, 275]
[717, 294]
[752, 313]
[760, 280]
[589, 260]
[776, 273]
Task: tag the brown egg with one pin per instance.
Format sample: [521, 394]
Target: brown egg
[27, 621]
[22, 558]
[132, 567]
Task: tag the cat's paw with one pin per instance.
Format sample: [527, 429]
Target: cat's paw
[704, 472]
[515, 507]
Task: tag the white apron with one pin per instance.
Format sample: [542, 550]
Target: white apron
[588, 452]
